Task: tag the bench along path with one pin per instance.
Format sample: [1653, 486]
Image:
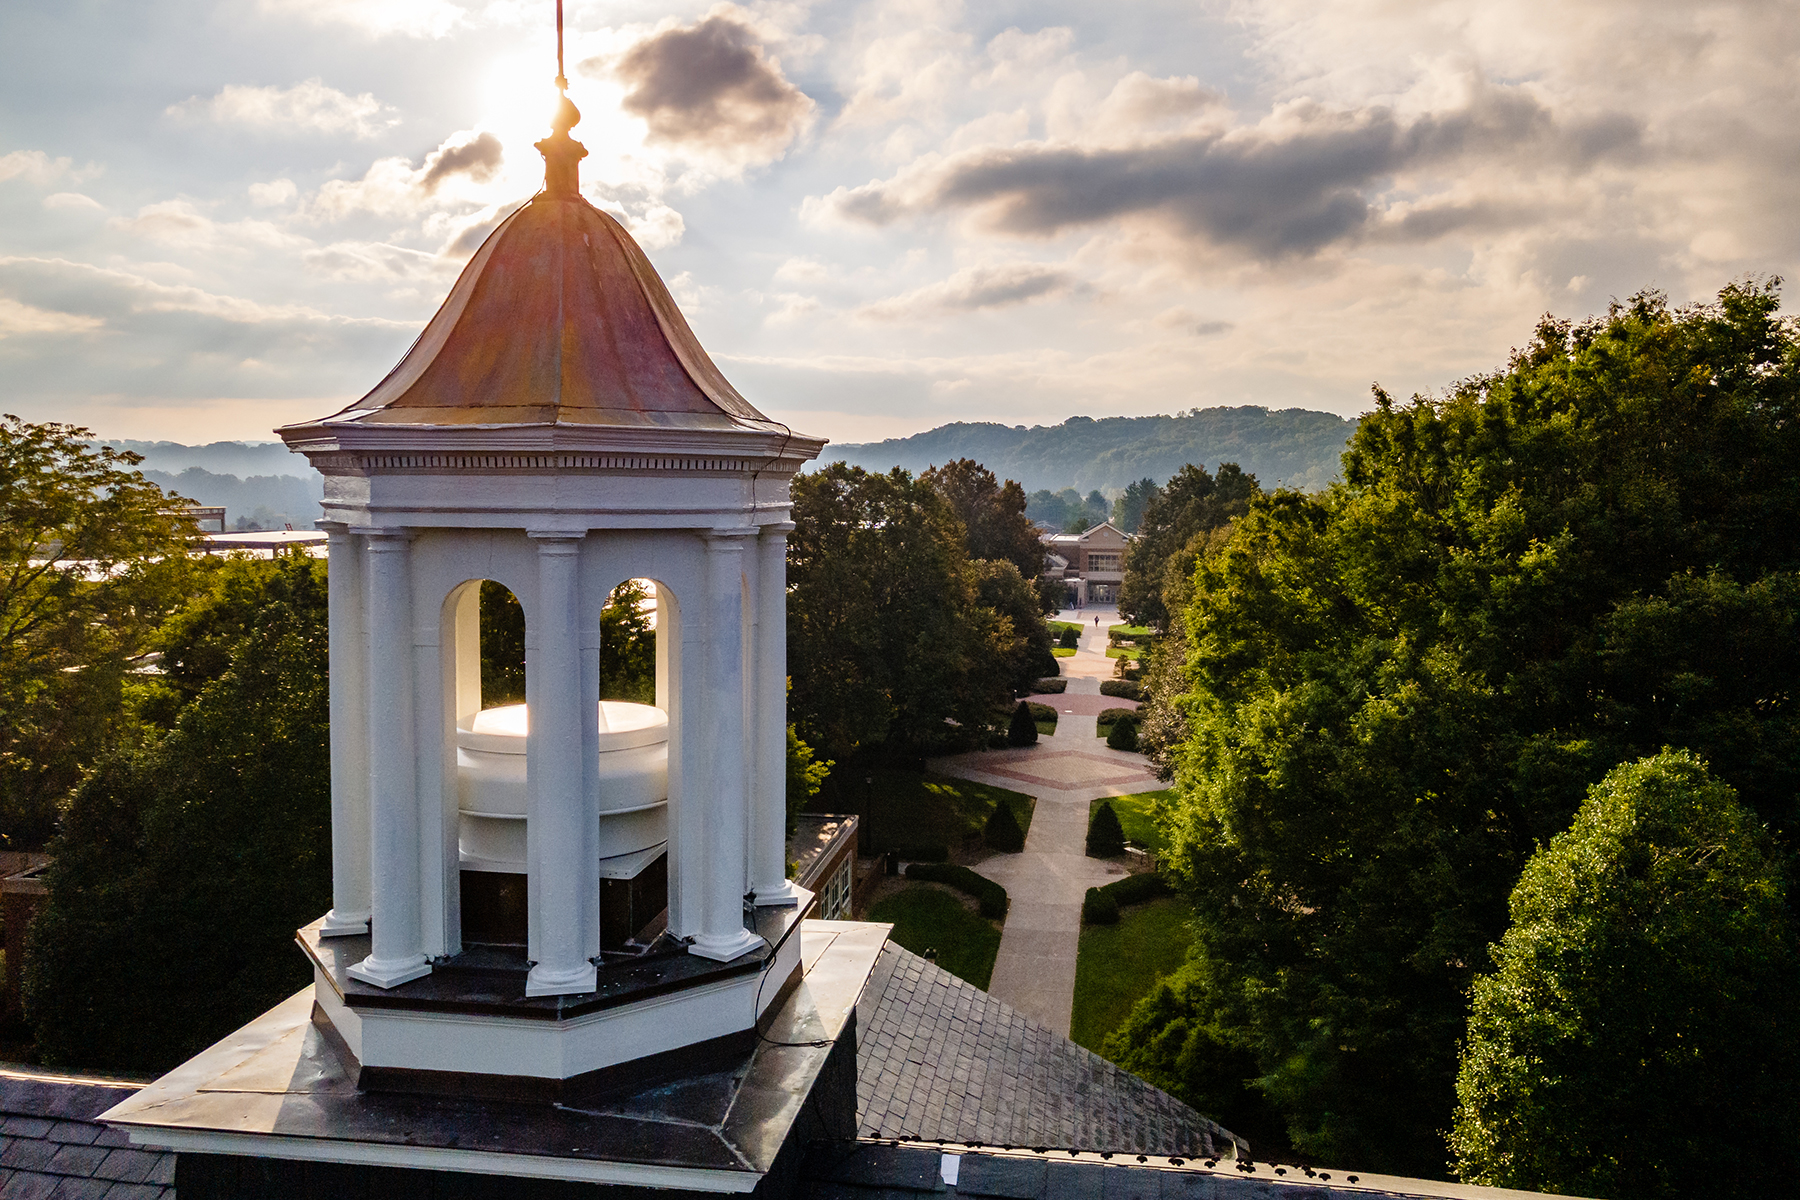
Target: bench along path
[1035, 970]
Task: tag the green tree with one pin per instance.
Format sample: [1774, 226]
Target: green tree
[1192, 504]
[1402, 687]
[1640, 1033]
[92, 557]
[1128, 509]
[992, 513]
[184, 865]
[502, 646]
[627, 646]
[805, 775]
[889, 650]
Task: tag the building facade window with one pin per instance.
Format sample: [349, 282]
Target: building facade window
[834, 903]
[1103, 562]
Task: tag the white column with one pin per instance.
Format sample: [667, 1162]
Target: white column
[561, 871]
[349, 739]
[721, 934]
[768, 707]
[397, 950]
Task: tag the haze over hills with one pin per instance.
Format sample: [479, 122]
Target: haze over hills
[262, 484]
[1291, 447]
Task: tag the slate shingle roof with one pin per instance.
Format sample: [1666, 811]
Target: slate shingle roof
[51, 1148]
[940, 1059]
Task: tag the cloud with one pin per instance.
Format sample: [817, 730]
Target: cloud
[18, 319]
[175, 340]
[180, 223]
[272, 194]
[378, 261]
[976, 288]
[75, 200]
[34, 166]
[393, 186]
[1299, 181]
[711, 86]
[308, 107]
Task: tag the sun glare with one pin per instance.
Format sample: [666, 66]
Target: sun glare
[518, 100]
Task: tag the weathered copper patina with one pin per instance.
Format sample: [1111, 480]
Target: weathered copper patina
[559, 319]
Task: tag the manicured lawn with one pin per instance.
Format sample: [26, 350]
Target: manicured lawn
[904, 809]
[1136, 817]
[1063, 651]
[1056, 627]
[1136, 631]
[1117, 965]
[1123, 652]
[926, 918]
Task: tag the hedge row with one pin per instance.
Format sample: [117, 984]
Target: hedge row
[1101, 905]
[992, 896]
[1056, 687]
[1123, 689]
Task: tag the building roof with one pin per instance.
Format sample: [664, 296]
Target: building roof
[559, 320]
[1072, 540]
[940, 1059]
[50, 1144]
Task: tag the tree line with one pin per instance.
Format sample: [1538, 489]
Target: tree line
[1487, 762]
[164, 715]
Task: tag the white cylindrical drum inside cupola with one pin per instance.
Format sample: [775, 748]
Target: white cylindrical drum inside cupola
[490, 784]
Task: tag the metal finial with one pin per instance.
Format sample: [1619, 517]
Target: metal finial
[562, 81]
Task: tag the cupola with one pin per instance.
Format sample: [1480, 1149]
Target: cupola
[529, 896]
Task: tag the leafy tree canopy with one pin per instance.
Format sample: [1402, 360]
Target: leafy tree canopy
[184, 864]
[890, 648]
[1638, 1037]
[1399, 689]
[1191, 504]
[1128, 509]
[92, 557]
[992, 513]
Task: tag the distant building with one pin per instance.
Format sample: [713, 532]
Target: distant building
[1092, 564]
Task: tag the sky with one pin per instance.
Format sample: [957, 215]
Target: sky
[881, 215]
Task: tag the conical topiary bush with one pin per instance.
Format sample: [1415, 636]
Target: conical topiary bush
[1002, 830]
[1023, 730]
[1105, 836]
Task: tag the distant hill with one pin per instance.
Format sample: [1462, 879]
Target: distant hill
[261, 484]
[1292, 446]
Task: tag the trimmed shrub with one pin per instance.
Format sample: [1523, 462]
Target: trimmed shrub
[1105, 836]
[1098, 908]
[1002, 830]
[1124, 733]
[1637, 1036]
[1069, 640]
[1023, 730]
[1054, 687]
[1124, 689]
[1043, 712]
[990, 895]
[1135, 889]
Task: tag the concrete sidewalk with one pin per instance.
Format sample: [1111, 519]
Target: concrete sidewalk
[1035, 970]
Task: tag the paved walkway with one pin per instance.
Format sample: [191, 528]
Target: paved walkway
[1035, 970]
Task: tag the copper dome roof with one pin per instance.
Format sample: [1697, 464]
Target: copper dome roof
[559, 319]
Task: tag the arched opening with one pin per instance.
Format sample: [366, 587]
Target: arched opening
[629, 764]
[634, 862]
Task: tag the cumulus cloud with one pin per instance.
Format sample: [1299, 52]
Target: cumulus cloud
[393, 186]
[1290, 185]
[308, 107]
[711, 86]
[180, 223]
[71, 200]
[272, 194]
[976, 288]
[173, 340]
[34, 166]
